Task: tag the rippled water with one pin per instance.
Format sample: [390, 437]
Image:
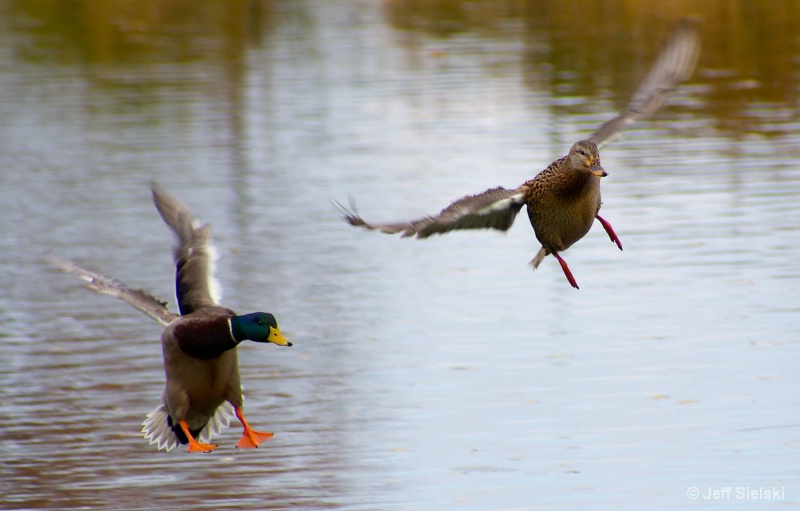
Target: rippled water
[437, 374]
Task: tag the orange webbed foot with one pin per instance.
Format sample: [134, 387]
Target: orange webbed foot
[610, 231]
[250, 438]
[194, 445]
[567, 273]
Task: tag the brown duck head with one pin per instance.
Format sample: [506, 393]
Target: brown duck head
[585, 157]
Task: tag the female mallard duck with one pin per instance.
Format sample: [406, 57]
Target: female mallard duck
[203, 389]
[563, 200]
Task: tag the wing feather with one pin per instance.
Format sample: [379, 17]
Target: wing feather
[498, 207]
[145, 302]
[493, 209]
[675, 64]
[195, 285]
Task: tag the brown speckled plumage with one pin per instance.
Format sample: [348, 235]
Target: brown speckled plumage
[563, 200]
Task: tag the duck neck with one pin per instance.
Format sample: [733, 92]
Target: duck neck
[238, 333]
[580, 184]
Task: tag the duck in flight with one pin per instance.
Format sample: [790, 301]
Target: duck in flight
[563, 200]
[203, 390]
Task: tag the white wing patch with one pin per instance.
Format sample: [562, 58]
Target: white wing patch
[501, 205]
[214, 285]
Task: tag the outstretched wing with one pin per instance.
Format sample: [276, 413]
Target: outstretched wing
[675, 64]
[492, 209]
[195, 285]
[497, 208]
[143, 301]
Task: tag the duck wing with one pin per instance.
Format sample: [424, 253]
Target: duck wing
[142, 300]
[674, 65]
[493, 209]
[195, 285]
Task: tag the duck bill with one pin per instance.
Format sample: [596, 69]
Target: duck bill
[276, 337]
[597, 170]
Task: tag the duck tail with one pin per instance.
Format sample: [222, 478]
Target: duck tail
[157, 429]
[536, 261]
[221, 419]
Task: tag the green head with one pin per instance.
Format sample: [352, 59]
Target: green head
[258, 327]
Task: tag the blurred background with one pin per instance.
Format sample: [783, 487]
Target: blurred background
[438, 374]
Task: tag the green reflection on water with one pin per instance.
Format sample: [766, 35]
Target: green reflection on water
[580, 48]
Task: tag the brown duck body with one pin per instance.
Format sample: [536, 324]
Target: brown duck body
[202, 371]
[564, 199]
[562, 204]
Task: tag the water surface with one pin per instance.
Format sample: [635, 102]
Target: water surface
[438, 374]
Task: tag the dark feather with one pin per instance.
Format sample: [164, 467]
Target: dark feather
[179, 432]
[194, 254]
[492, 209]
[675, 64]
[145, 302]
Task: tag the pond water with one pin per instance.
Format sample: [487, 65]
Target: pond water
[430, 375]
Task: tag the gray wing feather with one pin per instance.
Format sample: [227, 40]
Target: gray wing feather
[675, 64]
[195, 285]
[139, 299]
[497, 208]
[493, 209]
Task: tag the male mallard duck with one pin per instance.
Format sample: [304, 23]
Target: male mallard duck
[563, 200]
[199, 345]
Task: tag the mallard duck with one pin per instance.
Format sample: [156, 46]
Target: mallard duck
[203, 391]
[564, 199]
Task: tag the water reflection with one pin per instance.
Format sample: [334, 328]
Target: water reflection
[425, 375]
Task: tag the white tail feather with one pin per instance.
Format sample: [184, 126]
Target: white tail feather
[536, 261]
[156, 427]
[221, 420]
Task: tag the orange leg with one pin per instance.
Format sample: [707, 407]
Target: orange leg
[194, 445]
[251, 437]
[568, 273]
[610, 231]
